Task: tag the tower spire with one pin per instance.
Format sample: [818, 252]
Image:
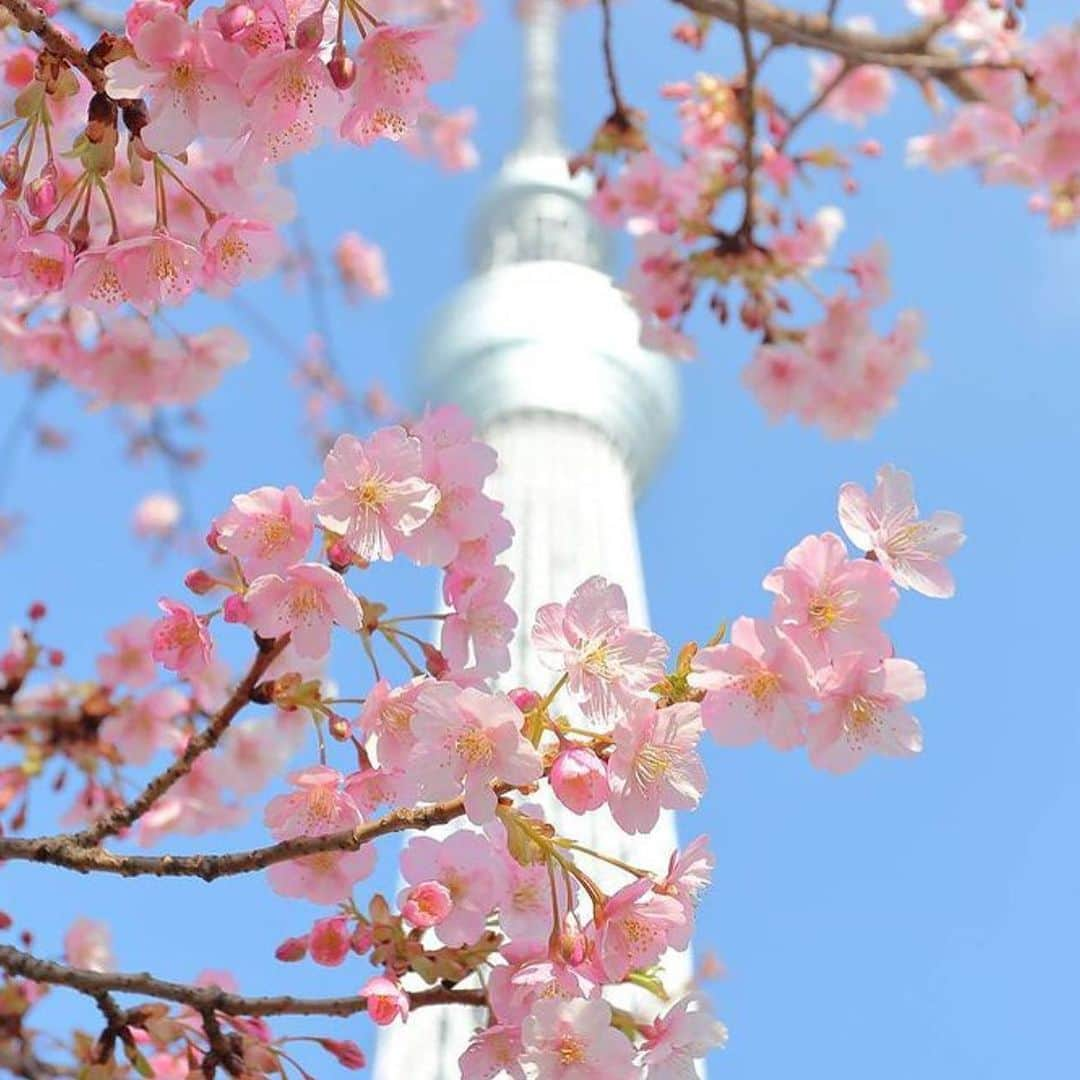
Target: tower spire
[540, 128]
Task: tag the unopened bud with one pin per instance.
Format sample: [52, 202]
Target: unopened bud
[235, 609]
[42, 196]
[435, 662]
[292, 949]
[339, 727]
[342, 68]
[525, 699]
[36, 611]
[234, 22]
[310, 31]
[200, 582]
[11, 171]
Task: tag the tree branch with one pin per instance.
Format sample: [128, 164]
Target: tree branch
[749, 111]
[123, 816]
[912, 51]
[32, 20]
[208, 998]
[620, 112]
[67, 853]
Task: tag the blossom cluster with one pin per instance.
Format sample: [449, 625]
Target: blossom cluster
[1017, 121]
[510, 893]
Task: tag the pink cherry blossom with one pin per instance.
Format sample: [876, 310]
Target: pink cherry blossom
[828, 604]
[45, 261]
[465, 865]
[574, 1040]
[131, 661]
[253, 752]
[88, 945]
[181, 69]
[318, 806]
[387, 715]
[238, 249]
[395, 66]
[525, 906]
[180, 639]
[157, 515]
[887, 524]
[267, 529]
[634, 928]
[682, 1036]
[655, 764]
[329, 940]
[305, 602]
[385, 999]
[144, 725]
[156, 269]
[689, 875]
[579, 780]
[865, 91]
[470, 738]
[757, 687]
[426, 904]
[493, 1051]
[372, 492]
[610, 665]
[862, 712]
[361, 267]
[481, 619]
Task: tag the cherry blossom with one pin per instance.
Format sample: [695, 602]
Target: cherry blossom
[635, 928]
[470, 738]
[463, 865]
[887, 524]
[361, 267]
[267, 529]
[144, 725]
[683, 1035]
[655, 764]
[579, 780]
[304, 602]
[88, 945]
[828, 604]
[372, 493]
[609, 664]
[180, 640]
[574, 1040]
[863, 712]
[131, 661]
[385, 999]
[757, 686]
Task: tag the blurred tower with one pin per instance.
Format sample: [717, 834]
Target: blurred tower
[542, 351]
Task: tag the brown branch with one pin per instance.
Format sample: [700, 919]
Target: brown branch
[912, 51]
[208, 998]
[795, 122]
[32, 20]
[749, 111]
[620, 112]
[64, 852]
[123, 816]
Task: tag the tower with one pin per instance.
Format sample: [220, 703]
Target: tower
[542, 350]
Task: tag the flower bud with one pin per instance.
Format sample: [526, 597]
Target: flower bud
[579, 780]
[342, 68]
[42, 194]
[11, 171]
[36, 611]
[362, 938]
[233, 22]
[200, 582]
[339, 727]
[235, 609]
[427, 904]
[348, 1054]
[329, 940]
[386, 1001]
[524, 698]
[435, 662]
[310, 31]
[292, 949]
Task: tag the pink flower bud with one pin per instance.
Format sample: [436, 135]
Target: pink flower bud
[236, 21]
[524, 698]
[199, 581]
[427, 904]
[871, 148]
[292, 949]
[435, 662]
[342, 68]
[11, 171]
[36, 610]
[42, 195]
[213, 540]
[339, 727]
[579, 780]
[362, 939]
[235, 609]
[310, 31]
[329, 940]
[348, 1054]
[386, 1001]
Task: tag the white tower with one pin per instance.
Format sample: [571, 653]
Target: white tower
[542, 351]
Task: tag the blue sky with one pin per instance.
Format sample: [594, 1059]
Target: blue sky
[914, 919]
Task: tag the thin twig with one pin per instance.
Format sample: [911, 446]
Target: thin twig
[620, 112]
[32, 20]
[815, 103]
[124, 816]
[749, 111]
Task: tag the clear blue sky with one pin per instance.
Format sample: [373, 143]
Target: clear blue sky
[916, 919]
